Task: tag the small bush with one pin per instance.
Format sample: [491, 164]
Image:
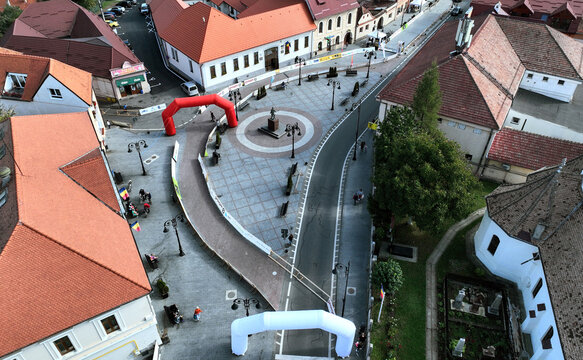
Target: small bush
[389, 274]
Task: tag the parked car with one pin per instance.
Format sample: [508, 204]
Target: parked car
[456, 11]
[126, 4]
[144, 9]
[189, 88]
[117, 10]
[135, 2]
[109, 16]
[112, 23]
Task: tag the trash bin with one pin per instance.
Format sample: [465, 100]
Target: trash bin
[216, 157]
[117, 177]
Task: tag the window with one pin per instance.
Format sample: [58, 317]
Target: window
[350, 18]
[546, 340]
[64, 345]
[451, 123]
[390, 15]
[561, 82]
[306, 42]
[56, 93]
[545, 78]
[110, 324]
[366, 27]
[321, 27]
[541, 307]
[468, 157]
[235, 64]
[320, 45]
[2, 151]
[515, 121]
[223, 68]
[477, 131]
[213, 72]
[286, 47]
[337, 40]
[537, 287]
[256, 58]
[329, 24]
[296, 44]
[174, 54]
[360, 30]
[338, 22]
[190, 63]
[14, 85]
[461, 126]
[246, 61]
[529, 76]
[493, 246]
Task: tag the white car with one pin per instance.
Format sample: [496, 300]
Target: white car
[144, 9]
[189, 88]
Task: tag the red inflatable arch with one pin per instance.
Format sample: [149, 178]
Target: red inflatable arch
[180, 103]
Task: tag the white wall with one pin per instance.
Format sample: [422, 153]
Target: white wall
[549, 87]
[336, 31]
[103, 88]
[182, 63]
[540, 126]
[506, 263]
[138, 330]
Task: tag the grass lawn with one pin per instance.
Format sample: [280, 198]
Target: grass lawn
[408, 313]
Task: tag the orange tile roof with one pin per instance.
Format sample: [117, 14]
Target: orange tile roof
[39, 68]
[70, 257]
[204, 33]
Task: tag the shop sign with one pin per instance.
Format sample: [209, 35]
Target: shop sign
[129, 81]
[127, 70]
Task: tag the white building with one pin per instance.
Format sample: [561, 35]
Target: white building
[531, 235]
[226, 49]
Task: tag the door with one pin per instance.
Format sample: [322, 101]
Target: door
[271, 59]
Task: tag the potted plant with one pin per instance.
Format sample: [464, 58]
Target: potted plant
[218, 141]
[261, 92]
[356, 89]
[163, 288]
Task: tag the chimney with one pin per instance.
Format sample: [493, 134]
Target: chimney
[463, 37]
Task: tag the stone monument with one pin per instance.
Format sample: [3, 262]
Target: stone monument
[272, 128]
[494, 308]
[272, 122]
[459, 348]
[457, 304]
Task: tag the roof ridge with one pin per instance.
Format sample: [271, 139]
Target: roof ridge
[541, 135]
[82, 255]
[577, 70]
[488, 75]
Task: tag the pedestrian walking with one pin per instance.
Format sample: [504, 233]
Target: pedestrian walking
[197, 313]
[365, 148]
[146, 209]
[213, 119]
[362, 146]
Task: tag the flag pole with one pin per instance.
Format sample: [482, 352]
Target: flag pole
[382, 301]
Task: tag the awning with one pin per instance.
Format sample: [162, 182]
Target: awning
[130, 80]
[377, 35]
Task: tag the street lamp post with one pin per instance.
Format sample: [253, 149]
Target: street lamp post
[347, 272]
[300, 61]
[291, 131]
[138, 145]
[358, 104]
[235, 96]
[369, 55]
[174, 223]
[404, 10]
[334, 83]
[246, 303]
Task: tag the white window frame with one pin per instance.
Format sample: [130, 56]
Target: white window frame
[101, 330]
[461, 126]
[55, 93]
[515, 120]
[20, 80]
[52, 348]
[451, 123]
[174, 54]
[477, 131]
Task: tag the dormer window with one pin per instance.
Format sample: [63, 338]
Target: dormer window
[55, 93]
[14, 85]
[561, 82]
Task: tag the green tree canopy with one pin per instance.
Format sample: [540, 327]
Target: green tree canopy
[427, 99]
[389, 274]
[7, 17]
[90, 5]
[418, 173]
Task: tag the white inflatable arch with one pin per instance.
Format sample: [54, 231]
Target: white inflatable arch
[293, 320]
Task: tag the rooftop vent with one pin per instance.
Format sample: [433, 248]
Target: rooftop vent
[538, 231]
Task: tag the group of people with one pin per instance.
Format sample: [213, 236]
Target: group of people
[358, 196]
[146, 198]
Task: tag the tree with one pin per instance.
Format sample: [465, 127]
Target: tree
[87, 4]
[5, 113]
[7, 17]
[427, 99]
[418, 173]
[389, 274]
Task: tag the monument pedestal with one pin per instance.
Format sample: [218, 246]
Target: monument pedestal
[272, 129]
[273, 124]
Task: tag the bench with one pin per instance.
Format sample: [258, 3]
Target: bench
[283, 209]
[153, 262]
[363, 83]
[243, 105]
[280, 86]
[344, 102]
[293, 169]
[173, 314]
[351, 72]
[313, 77]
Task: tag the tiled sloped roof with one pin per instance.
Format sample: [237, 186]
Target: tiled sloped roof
[66, 31]
[323, 8]
[520, 3]
[538, 6]
[476, 87]
[18, 3]
[204, 33]
[38, 68]
[565, 7]
[546, 51]
[165, 11]
[241, 6]
[554, 199]
[81, 259]
[89, 171]
[531, 151]
[261, 6]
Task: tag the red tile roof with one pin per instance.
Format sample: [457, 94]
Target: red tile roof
[65, 31]
[323, 8]
[538, 6]
[238, 5]
[261, 6]
[476, 86]
[531, 151]
[69, 257]
[39, 68]
[204, 33]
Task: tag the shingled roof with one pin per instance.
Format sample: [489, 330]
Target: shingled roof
[538, 6]
[531, 151]
[63, 30]
[321, 9]
[39, 68]
[66, 255]
[204, 33]
[553, 198]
